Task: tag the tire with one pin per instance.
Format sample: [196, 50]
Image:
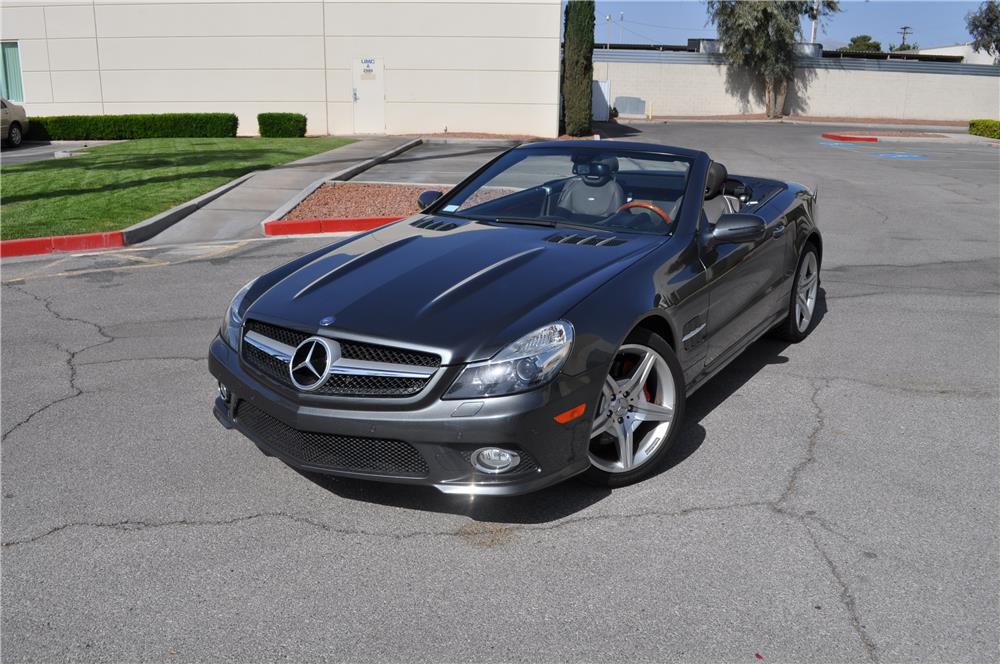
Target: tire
[653, 422]
[793, 328]
[14, 135]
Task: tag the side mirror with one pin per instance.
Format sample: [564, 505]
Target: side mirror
[737, 228]
[425, 198]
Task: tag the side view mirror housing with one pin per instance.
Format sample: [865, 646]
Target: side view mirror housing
[736, 229]
[425, 198]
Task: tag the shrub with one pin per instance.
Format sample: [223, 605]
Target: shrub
[113, 127]
[282, 125]
[987, 128]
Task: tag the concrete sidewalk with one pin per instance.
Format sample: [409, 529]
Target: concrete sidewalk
[237, 214]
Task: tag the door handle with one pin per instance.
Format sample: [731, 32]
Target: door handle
[354, 93]
[778, 231]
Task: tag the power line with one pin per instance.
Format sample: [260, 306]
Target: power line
[904, 30]
[637, 34]
[670, 27]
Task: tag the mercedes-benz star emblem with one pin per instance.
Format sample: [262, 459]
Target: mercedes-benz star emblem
[311, 362]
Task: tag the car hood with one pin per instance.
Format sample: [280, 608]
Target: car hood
[463, 289]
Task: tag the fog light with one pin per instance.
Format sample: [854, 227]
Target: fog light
[224, 392]
[494, 460]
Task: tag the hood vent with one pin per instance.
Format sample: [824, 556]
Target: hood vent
[432, 224]
[593, 240]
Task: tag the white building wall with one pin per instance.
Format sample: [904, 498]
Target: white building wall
[969, 55]
[683, 89]
[485, 66]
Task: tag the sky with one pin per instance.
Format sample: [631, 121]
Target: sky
[938, 23]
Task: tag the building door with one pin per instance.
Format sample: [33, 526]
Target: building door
[369, 95]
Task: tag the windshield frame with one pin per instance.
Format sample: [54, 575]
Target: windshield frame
[638, 150]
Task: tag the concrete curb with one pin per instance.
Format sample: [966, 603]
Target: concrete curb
[316, 226]
[33, 246]
[459, 140]
[155, 225]
[849, 138]
[345, 174]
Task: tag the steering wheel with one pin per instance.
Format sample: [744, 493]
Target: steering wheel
[646, 205]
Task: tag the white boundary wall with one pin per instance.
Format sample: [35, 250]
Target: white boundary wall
[480, 65]
[696, 84]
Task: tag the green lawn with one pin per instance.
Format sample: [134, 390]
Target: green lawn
[114, 186]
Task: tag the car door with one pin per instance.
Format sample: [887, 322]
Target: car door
[742, 282]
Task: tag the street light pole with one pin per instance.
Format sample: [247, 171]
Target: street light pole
[815, 18]
[607, 33]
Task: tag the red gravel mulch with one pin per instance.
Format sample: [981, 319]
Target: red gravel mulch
[346, 200]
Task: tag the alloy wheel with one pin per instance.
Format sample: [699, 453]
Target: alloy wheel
[635, 412]
[807, 288]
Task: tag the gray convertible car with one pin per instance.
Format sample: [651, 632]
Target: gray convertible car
[544, 319]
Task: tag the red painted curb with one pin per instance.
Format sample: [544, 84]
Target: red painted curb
[848, 137]
[47, 245]
[310, 226]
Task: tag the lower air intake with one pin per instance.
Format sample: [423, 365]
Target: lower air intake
[352, 453]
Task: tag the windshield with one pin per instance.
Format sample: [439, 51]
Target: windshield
[615, 190]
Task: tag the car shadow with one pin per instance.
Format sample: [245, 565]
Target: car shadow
[615, 130]
[568, 498]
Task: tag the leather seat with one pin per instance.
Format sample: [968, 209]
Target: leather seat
[717, 203]
[594, 192]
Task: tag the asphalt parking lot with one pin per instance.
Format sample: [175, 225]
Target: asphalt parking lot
[832, 501]
[42, 150]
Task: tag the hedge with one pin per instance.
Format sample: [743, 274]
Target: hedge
[113, 127]
[987, 128]
[281, 125]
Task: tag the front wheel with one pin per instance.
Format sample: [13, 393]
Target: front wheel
[639, 413]
[14, 135]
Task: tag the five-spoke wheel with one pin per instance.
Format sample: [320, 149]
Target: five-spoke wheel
[638, 412]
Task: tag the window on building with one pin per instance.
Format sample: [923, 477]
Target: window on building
[10, 72]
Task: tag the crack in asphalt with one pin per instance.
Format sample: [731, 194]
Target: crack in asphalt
[138, 525]
[71, 363]
[165, 358]
[847, 599]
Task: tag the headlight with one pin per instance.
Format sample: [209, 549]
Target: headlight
[529, 362]
[233, 321]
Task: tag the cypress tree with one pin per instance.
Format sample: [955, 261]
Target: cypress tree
[578, 66]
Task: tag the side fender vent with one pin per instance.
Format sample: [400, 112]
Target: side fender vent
[432, 224]
[592, 240]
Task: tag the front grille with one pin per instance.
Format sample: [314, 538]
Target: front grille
[353, 350]
[337, 384]
[375, 386]
[353, 453]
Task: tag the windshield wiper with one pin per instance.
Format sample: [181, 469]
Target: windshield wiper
[524, 221]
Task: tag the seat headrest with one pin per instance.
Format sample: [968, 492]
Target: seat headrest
[717, 175]
[601, 167]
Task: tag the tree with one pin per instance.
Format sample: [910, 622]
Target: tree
[578, 66]
[760, 38]
[863, 43]
[984, 26]
[903, 47]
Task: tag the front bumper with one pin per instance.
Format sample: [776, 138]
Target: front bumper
[428, 443]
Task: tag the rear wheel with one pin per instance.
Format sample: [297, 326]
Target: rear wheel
[805, 292]
[639, 413]
[14, 135]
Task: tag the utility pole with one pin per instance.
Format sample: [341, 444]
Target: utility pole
[815, 18]
[905, 30]
[607, 33]
[621, 19]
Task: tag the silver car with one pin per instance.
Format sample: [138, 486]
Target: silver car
[14, 122]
